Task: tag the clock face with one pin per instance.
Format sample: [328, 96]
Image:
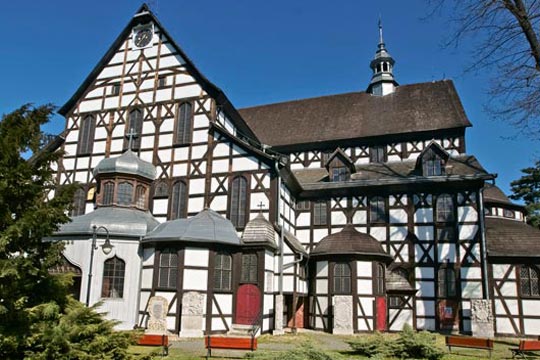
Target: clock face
[143, 37]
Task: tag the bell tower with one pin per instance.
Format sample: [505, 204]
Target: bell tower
[383, 81]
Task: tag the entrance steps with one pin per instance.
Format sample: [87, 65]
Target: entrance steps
[240, 330]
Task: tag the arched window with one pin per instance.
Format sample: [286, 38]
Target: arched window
[108, 193]
[249, 268]
[447, 282]
[445, 208]
[86, 135]
[168, 269]
[183, 124]
[113, 278]
[238, 208]
[342, 278]
[79, 202]
[179, 200]
[222, 272]
[377, 209]
[529, 281]
[378, 279]
[125, 193]
[140, 197]
[161, 189]
[135, 126]
[432, 164]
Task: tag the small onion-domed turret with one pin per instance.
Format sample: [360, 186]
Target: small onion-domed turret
[127, 163]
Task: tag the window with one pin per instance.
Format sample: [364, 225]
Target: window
[508, 213]
[377, 209]
[125, 193]
[249, 268]
[528, 281]
[115, 89]
[378, 280]
[340, 173]
[135, 127]
[108, 193]
[168, 269]
[179, 200]
[86, 135]
[447, 282]
[377, 154]
[79, 202]
[303, 205]
[320, 215]
[161, 189]
[432, 164]
[162, 81]
[342, 278]
[238, 206]
[445, 208]
[140, 197]
[395, 302]
[183, 124]
[113, 278]
[222, 272]
[446, 233]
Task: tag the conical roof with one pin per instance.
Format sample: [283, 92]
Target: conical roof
[349, 241]
[127, 163]
[259, 231]
[206, 227]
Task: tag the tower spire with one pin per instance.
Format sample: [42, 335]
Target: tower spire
[382, 82]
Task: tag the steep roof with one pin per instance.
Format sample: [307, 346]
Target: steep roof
[493, 194]
[349, 241]
[259, 231]
[511, 238]
[412, 108]
[143, 15]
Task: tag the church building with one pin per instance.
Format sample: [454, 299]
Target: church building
[348, 213]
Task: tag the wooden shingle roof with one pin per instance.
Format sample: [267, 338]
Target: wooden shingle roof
[511, 238]
[412, 108]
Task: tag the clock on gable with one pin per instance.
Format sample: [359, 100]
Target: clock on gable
[142, 36]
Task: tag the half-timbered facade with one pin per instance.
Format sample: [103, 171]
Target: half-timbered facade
[269, 214]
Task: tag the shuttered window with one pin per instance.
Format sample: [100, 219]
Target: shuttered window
[113, 278]
[86, 135]
[222, 272]
[79, 202]
[183, 124]
[447, 282]
[238, 208]
[342, 278]
[378, 280]
[135, 127]
[179, 199]
[168, 269]
[125, 193]
[377, 210]
[445, 208]
[249, 268]
[529, 281]
[108, 193]
[377, 154]
[320, 214]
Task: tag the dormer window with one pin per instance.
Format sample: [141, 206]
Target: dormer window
[433, 160]
[339, 166]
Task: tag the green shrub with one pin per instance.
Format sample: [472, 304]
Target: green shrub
[306, 351]
[409, 345]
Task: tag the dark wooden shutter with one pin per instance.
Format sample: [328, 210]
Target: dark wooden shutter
[86, 135]
[135, 126]
[79, 202]
[183, 126]
[179, 200]
[238, 210]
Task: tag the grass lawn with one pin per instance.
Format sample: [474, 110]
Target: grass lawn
[332, 344]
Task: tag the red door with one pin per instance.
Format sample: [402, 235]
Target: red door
[248, 304]
[380, 304]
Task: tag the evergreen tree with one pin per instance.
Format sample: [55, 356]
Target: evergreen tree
[527, 188]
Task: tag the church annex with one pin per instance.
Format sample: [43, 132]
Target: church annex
[347, 213]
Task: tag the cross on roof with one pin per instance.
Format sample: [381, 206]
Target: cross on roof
[261, 206]
[130, 135]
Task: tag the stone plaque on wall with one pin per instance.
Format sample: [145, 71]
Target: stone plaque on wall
[482, 318]
[157, 310]
[343, 315]
[192, 314]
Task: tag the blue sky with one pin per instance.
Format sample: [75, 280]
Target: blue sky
[258, 52]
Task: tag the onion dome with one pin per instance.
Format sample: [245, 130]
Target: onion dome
[351, 242]
[127, 163]
[259, 231]
[206, 227]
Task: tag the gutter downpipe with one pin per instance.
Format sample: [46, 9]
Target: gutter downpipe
[481, 217]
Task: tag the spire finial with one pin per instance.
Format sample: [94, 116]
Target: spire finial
[381, 40]
[261, 206]
[131, 134]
